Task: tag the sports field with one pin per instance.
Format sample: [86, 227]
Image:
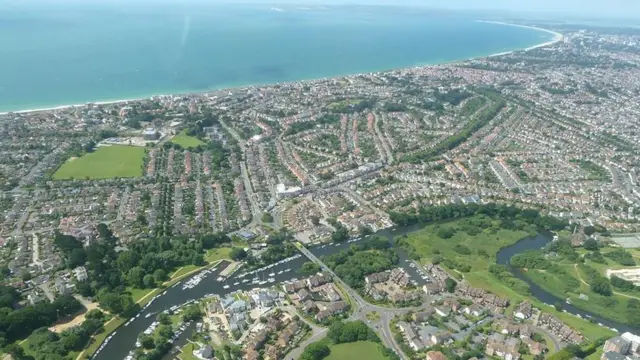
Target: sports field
[185, 140]
[104, 163]
[356, 350]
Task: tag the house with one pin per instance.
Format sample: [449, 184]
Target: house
[612, 356]
[436, 355]
[318, 280]
[474, 310]
[309, 306]
[423, 315]
[523, 311]
[634, 340]
[433, 288]
[617, 344]
[80, 273]
[376, 278]
[204, 352]
[335, 308]
[233, 306]
[498, 347]
[271, 352]
[304, 295]
[535, 348]
[330, 292]
[442, 310]
[410, 336]
[290, 288]
[251, 354]
[263, 298]
[441, 338]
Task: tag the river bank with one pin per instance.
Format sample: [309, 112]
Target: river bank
[124, 340]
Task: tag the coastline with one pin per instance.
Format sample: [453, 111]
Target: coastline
[557, 38]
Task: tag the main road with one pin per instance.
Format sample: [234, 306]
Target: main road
[361, 307]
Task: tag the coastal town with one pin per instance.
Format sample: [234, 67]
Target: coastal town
[272, 222]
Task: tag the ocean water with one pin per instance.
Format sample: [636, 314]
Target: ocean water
[100, 50]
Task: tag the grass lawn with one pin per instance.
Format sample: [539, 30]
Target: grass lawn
[183, 270]
[187, 352]
[186, 141]
[428, 244]
[356, 350]
[596, 355]
[104, 163]
[138, 294]
[213, 255]
[97, 340]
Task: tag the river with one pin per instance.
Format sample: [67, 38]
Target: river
[125, 338]
[537, 242]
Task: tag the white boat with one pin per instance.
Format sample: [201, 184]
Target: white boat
[272, 280]
[226, 287]
[272, 275]
[236, 283]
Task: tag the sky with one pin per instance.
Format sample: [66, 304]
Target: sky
[628, 9]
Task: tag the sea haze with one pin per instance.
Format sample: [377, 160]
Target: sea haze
[68, 54]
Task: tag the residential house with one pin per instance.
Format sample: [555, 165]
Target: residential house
[335, 308]
[376, 278]
[617, 344]
[436, 355]
[441, 338]
[523, 311]
[80, 273]
[474, 310]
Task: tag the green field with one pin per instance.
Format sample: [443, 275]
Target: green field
[186, 141]
[104, 163]
[428, 244]
[356, 350]
[213, 255]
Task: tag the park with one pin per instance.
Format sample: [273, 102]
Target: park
[104, 163]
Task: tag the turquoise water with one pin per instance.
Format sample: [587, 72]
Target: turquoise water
[79, 52]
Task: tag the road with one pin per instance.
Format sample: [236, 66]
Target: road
[361, 307]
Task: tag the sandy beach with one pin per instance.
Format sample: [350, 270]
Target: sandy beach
[557, 37]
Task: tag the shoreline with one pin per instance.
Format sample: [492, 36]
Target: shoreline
[557, 38]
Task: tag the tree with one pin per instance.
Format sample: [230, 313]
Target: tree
[94, 314]
[14, 350]
[127, 260]
[589, 230]
[238, 254]
[267, 218]
[147, 342]
[591, 245]
[135, 277]
[77, 257]
[450, 285]
[165, 331]
[601, 285]
[315, 220]
[315, 351]
[149, 281]
[164, 319]
[92, 326]
[160, 275]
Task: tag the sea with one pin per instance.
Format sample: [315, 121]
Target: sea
[56, 53]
